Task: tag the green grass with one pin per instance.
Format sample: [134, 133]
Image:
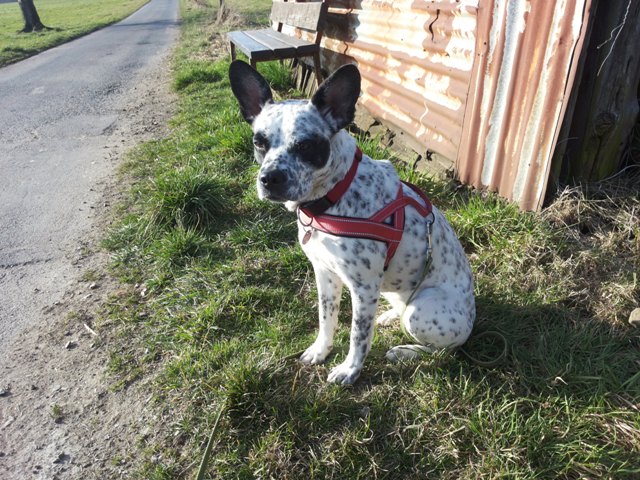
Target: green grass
[66, 19]
[221, 296]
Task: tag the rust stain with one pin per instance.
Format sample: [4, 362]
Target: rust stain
[415, 58]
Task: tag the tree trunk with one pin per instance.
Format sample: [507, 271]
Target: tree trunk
[32, 21]
[222, 13]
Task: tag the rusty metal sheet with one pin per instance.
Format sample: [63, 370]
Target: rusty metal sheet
[482, 82]
[527, 55]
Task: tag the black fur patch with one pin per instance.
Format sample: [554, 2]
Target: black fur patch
[313, 150]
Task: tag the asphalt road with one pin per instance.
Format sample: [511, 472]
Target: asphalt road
[57, 110]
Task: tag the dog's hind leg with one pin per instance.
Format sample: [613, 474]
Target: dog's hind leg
[396, 307]
[435, 319]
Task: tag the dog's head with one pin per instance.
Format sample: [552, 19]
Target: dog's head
[292, 139]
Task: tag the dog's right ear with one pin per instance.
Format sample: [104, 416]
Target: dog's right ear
[250, 88]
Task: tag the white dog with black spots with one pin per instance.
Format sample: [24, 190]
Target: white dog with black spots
[303, 153]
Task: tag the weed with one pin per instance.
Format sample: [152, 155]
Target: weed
[91, 275]
[279, 75]
[186, 198]
[57, 413]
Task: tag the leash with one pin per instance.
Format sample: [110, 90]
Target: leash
[424, 349]
[427, 263]
[489, 333]
[425, 269]
[494, 361]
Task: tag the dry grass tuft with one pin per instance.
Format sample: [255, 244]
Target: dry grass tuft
[600, 223]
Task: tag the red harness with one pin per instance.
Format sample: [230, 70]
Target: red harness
[311, 214]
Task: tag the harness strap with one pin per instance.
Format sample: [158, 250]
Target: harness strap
[374, 227]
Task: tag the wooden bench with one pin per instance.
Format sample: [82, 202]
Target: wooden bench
[268, 44]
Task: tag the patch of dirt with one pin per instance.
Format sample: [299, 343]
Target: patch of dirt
[60, 417]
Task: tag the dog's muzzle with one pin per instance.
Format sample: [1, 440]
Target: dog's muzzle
[274, 184]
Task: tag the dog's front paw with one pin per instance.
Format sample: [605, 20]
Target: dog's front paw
[344, 374]
[315, 354]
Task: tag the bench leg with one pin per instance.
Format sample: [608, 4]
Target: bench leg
[316, 64]
[253, 63]
[232, 49]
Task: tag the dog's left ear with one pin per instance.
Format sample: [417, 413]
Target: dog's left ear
[337, 96]
[250, 88]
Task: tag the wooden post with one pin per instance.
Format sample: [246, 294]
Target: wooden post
[605, 98]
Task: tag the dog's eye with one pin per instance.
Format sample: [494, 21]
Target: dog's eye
[260, 143]
[313, 151]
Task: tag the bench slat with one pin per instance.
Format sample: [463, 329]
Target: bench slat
[250, 47]
[267, 44]
[303, 15]
[303, 47]
[277, 46]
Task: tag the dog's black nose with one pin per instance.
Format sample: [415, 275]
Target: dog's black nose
[273, 179]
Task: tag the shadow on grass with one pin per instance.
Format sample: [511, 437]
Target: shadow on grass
[550, 403]
[549, 408]
[553, 347]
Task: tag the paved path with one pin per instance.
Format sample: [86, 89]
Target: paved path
[57, 110]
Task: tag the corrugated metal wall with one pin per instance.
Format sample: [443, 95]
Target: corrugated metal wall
[525, 66]
[481, 82]
[416, 59]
